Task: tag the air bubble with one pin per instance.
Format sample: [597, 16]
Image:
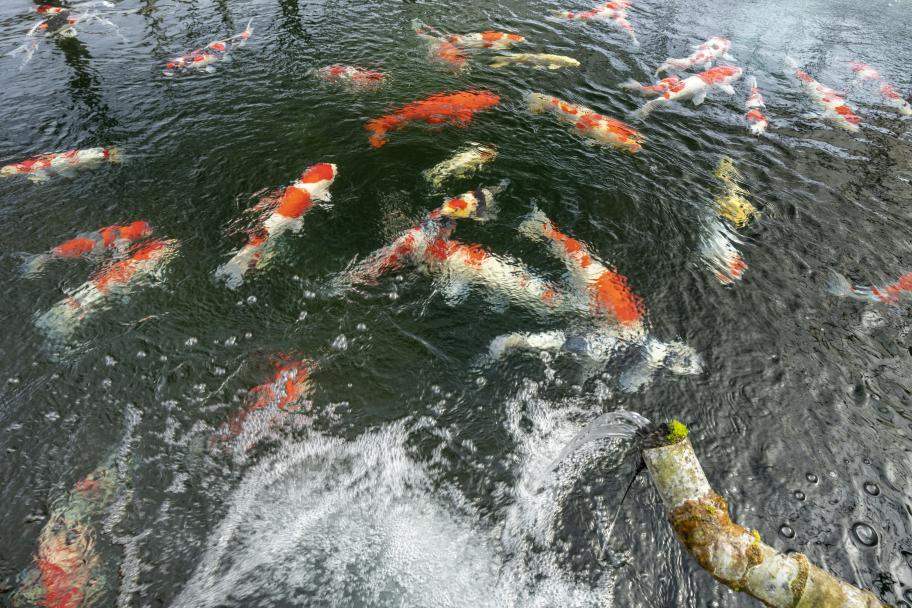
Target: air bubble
[12, 380]
[361, 327]
[219, 371]
[393, 295]
[871, 488]
[52, 416]
[309, 295]
[865, 534]
[480, 381]
[340, 343]
[191, 342]
[106, 383]
[786, 531]
[811, 477]
[799, 495]
[302, 315]
[248, 335]
[110, 361]
[140, 354]
[251, 300]
[231, 341]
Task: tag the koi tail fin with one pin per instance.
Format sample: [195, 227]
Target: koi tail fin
[537, 102]
[791, 63]
[34, 264]
[115, 155]
[752, 82]
[646, 109]
[838, 285]
[232, 272]
[248, 30]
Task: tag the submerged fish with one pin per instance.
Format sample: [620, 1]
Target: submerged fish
[296, 200]
[703, 56]
[497, 41]
[890, 294]
[359, 79]
[40, 168]
[732, 205]
[615, 12]
[694, 88]
[463, 164]
[607, 293]
[268, 407]
[92, 244]
[202, 59]
[67, 567]
[834, 106]
[440, 49]
[755, 118]
[891, 97]
[863, 71]
[717, 247]
[443, 108]
[603, 129]
[538, 60]
[117, 279]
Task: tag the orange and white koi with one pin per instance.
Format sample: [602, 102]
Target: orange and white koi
[891, 293]
[295, 202]
[87, 244]
[695, 88]
[117, 279]
[443, 108]
[269, 407]
[833, 103]
[717, 247]
[671, 83]
[863, 71]
[755, 118]
[498, 41]
[615, 12]
[440, 49]
[359, 79]
[202, 59]
[589, 123]
[607, 294]
[38, 168]
[703, 56]
[894, 99]
[67, 569]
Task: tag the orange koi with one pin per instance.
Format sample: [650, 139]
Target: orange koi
[442, 108]
[440, 49]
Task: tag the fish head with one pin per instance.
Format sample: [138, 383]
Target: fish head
[8, 171]
[137, 230]
[319, 172]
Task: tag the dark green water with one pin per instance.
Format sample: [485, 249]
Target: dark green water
[421, 477]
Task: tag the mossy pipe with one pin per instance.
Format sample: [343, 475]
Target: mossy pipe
[732, 554]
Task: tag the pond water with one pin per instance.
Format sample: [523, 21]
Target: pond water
[420, 471]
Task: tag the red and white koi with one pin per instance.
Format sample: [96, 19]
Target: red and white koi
[607, 294]
[615, 12]
[694, 88]
[891, 97]
[202, 59]
[61, 22]
[295, 202]
[703, 56]
[863, 71]
[117, 279]
[355, 78]
[595, 126]
[38, 168]
[891, 293]
[833, 103]
[268, 408]
[497, 41]
[86, 244]
[671, 83]
[717, 247]
[440, 50]
[755, 118]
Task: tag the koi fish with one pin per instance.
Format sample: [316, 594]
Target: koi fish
[615, 12]
[834, 106]
[671, 83]
[61, 22]
[39, 168]
[443, 108]
[295, 202]
[863, 71]
[356, 78]
[894, 99]
[92, 244]
[537, 60]
[705, 54]
[440, 49]
[717, 247]
[268, 407]
[889, 294]
[117, 279]
[202, 59]
[602, 129]
[732, 205]
[607, 293]
[498, 41]
[66, 571]
[695, 88]
[755, 118]
[463, 164]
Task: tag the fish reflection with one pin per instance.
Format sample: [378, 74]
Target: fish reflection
[286, 213]
[443, 108]
[67, 567]
[92, 244]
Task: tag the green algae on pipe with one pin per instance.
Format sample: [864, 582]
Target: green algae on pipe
[732, 554]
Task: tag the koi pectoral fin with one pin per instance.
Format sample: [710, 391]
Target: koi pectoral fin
[699, 98]
[727, 89]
